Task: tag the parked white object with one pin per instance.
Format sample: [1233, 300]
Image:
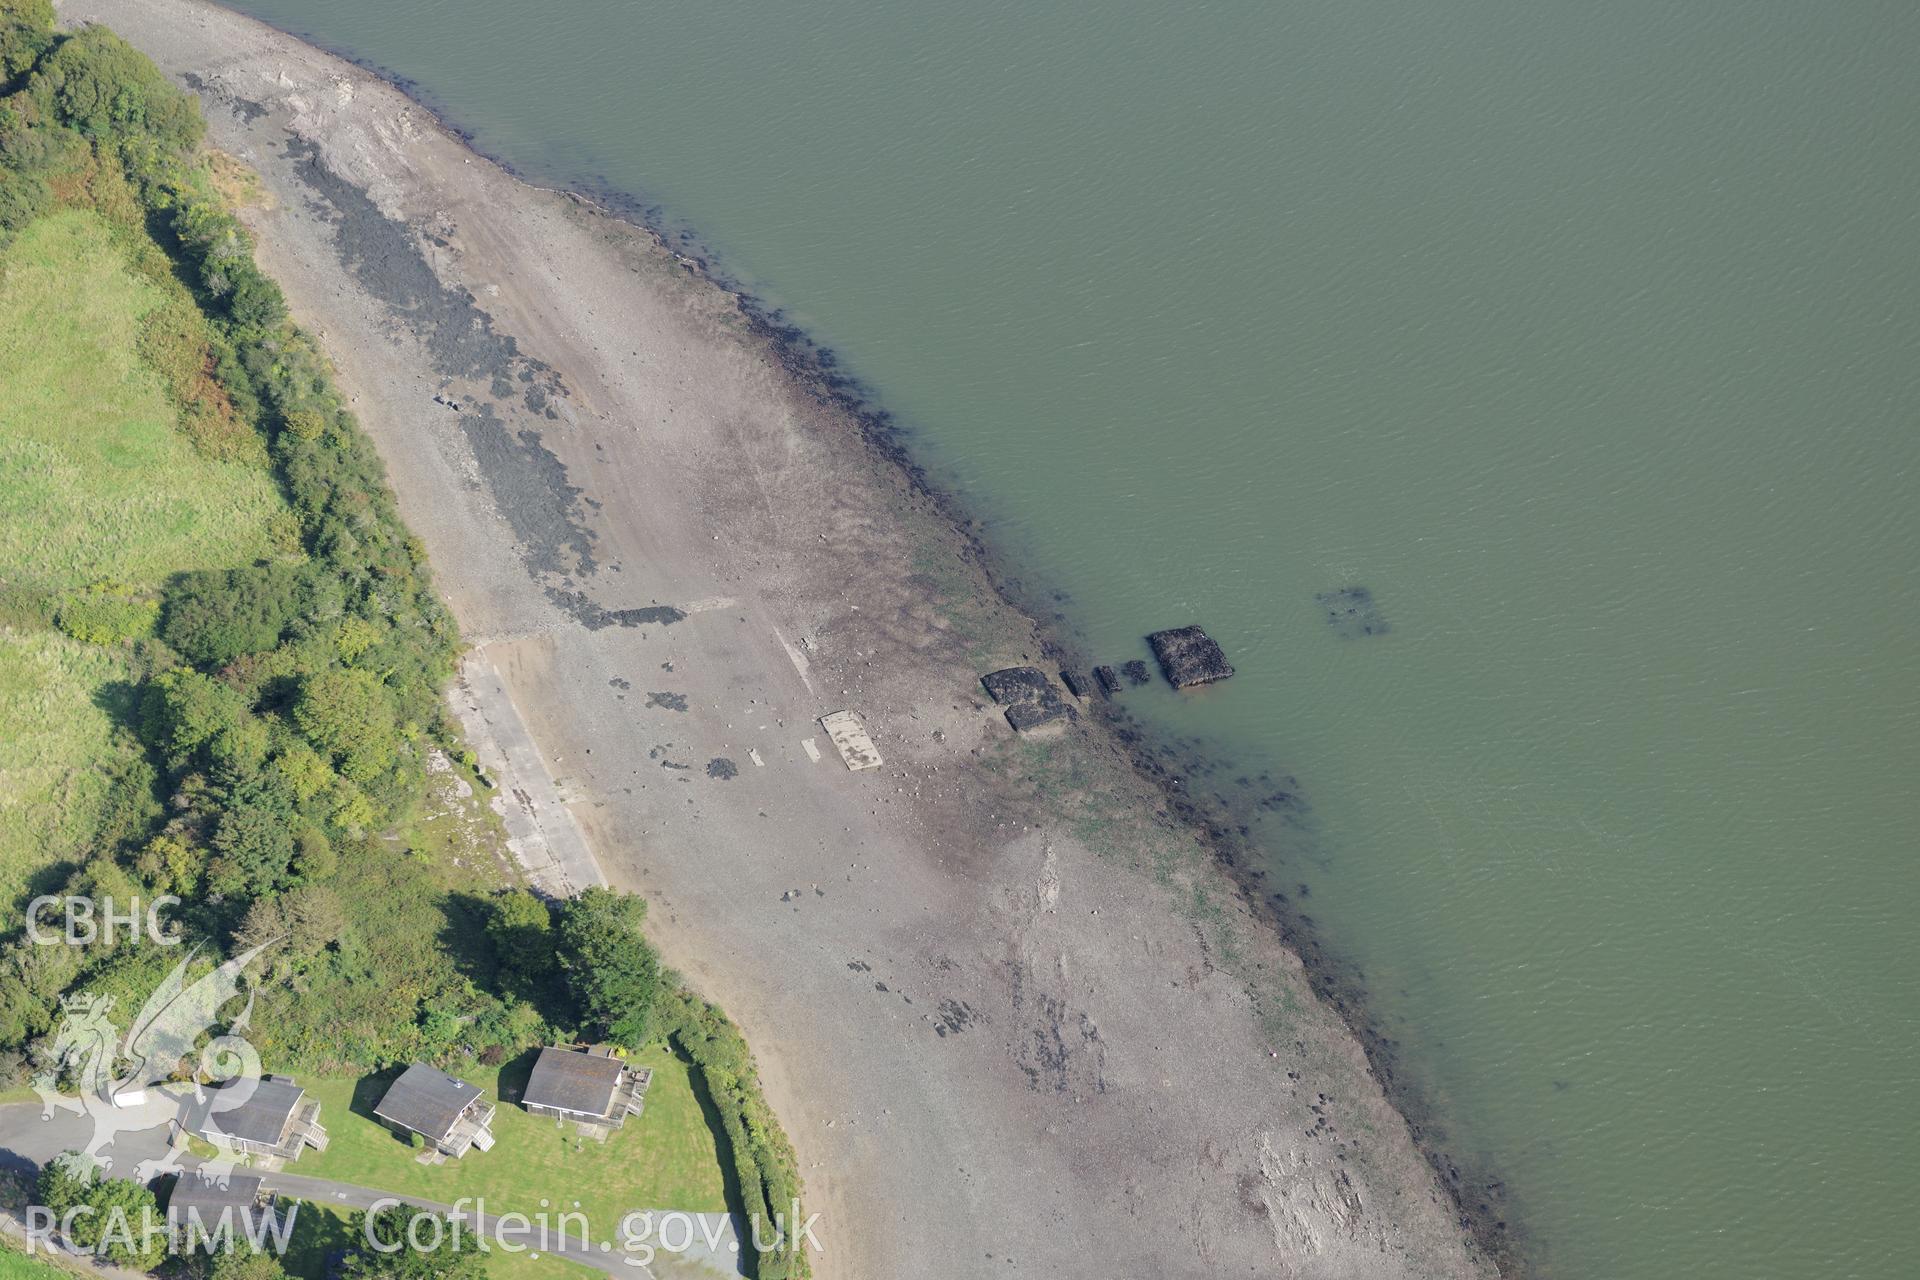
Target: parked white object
[850, 737]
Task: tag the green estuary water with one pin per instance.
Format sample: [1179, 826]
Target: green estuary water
[1584, 336]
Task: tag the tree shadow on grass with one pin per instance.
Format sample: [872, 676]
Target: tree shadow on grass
[510, 1085]
[318, 1240]
[464, 937]
[367, 1092]
[729, 1167]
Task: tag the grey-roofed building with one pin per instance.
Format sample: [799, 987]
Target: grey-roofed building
[214, 1206]
[591, 1086]
[445, 1110]
[271, 1116]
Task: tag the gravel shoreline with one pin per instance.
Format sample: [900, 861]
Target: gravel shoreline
[1014, 1014]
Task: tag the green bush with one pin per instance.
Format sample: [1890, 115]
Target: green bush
[37, 14]
[217, 615]
[521, 930]
[107, 614]
[105, 88]
[26, 32]
[23, 197]
[252, 842]
[185, 711]
[348, 714]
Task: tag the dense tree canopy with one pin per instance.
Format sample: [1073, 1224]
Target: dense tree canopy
[521, 929]
[457, 1256]
[104, 87]
[117, 1219]
[216, 616]
[612, 971]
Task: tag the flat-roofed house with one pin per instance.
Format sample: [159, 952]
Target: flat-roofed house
[229, 1206]
[445, 1110]
[590, 1086]
[271, 1116]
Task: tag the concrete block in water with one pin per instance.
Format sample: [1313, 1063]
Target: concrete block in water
[1109, 680]
[1136, 673]
[1189, 657]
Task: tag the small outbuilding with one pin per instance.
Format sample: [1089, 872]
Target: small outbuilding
[1189, 657]
[268, 1116]
[589, 1086]
[451, 1114]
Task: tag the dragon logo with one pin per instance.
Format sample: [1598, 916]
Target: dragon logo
[109, 1073]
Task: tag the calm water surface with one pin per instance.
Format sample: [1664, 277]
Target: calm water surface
[1584, 335]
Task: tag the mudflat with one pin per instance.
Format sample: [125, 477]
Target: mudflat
[1015, 1018]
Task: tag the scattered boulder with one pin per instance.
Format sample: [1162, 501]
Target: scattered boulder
[1189, 657]
[1352, 613]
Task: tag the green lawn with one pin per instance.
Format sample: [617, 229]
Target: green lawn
[16, 1265]
[667, 1158]
[95, 482]
[54, 733]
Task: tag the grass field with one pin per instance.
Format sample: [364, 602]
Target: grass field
[54, 730]
[96, 485]
[95, 482]
[16, 1265]
[665, 1159]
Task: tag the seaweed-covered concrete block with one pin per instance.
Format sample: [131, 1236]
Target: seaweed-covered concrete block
[1109, 680]
[1033, 714]
[1077, 684]
[1030, 699]
[1136, 673]
[1189, 656]
[1017, 684]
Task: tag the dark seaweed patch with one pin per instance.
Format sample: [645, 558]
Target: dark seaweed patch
[1352, 613]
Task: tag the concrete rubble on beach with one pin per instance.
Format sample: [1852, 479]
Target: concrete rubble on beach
[1031, 700]
[851, 739]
